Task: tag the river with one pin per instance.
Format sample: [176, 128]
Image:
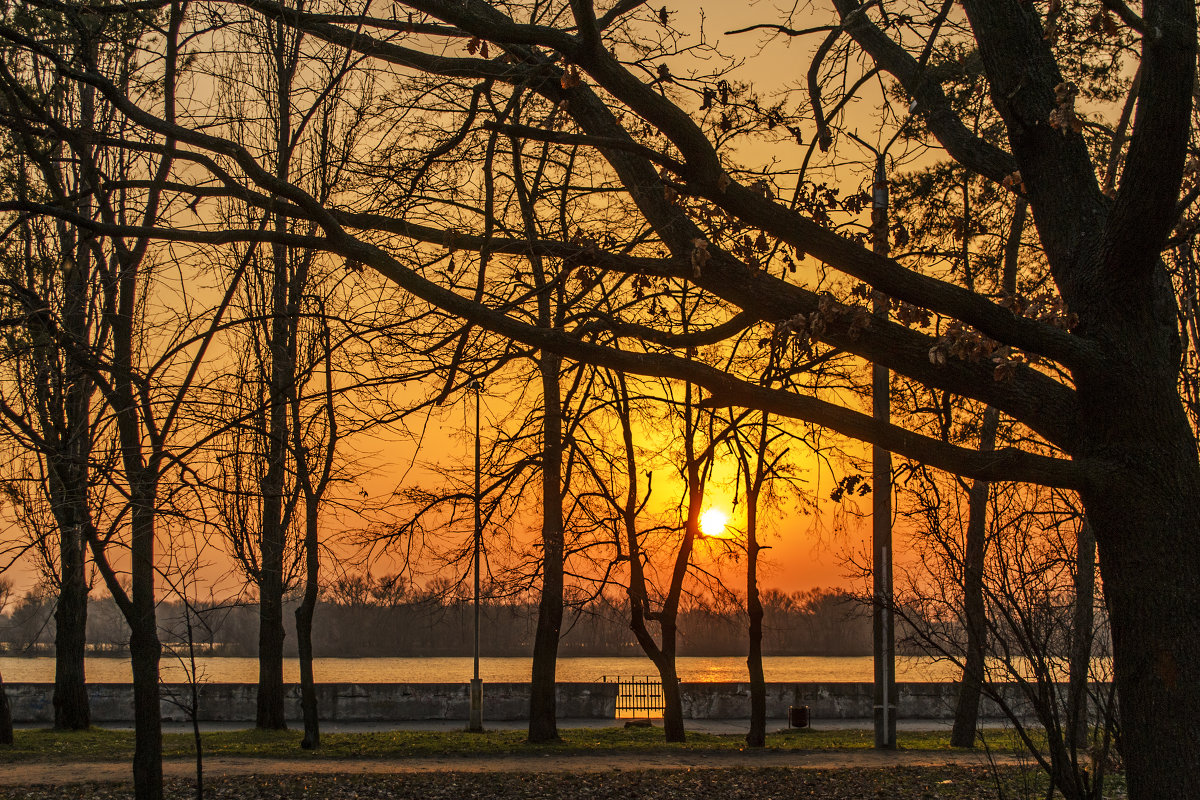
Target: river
[782, 669]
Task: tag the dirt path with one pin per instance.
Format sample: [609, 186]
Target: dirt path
[78, 772]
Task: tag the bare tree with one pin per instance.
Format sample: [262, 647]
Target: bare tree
[47, 406]
[652, 605]
[1039, 627]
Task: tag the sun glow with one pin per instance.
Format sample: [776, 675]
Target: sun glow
[713, 523]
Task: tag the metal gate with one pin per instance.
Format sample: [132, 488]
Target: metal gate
[637, 695]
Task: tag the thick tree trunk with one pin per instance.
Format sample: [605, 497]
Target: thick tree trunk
[543, 725]
[68, 485]
[1145, 515]
[1153, 608]
[71, 709]
[139, 606]
[145, 650]
[270, 712]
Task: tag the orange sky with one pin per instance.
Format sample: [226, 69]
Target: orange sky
[807, 551]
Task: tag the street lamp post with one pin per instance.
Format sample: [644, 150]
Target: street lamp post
[883, 628]
[476, 719]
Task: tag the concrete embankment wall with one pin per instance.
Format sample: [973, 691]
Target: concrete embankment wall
[338, 702]
[932, 701]
[382, 702]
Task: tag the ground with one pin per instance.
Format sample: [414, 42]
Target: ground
[831, 775]
[586, 764]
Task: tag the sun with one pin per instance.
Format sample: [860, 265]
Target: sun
[713, 522]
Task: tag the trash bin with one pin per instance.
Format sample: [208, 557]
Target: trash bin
[797, 716]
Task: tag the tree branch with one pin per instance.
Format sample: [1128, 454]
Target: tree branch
[1143, 214]
[964, 146]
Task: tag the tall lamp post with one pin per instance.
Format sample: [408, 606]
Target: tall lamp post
[476, 720]
[884, 633]
[883, 621]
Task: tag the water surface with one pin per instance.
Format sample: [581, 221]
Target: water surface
[782, 669]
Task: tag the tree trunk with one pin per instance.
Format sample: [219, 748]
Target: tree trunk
[757, 737]
[668, 619]
[68, 484]
[71, 708]
[313, 493]
[1146, 521]
[304, 622]
[1081, 641]
[139, 606]
[639, 606]
[270, 712]
[664, 655]
[145, 651]
[273, 543]
[673, 729]
[282, 382]
[970, 687]
[543, 725]
[6, 728]
[669, 616]
[70, 463]
[1156, 632]
[966, 712]
[883, 612]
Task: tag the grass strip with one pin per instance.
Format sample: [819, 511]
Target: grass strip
[99, 744]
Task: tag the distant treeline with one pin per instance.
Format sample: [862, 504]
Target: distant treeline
[352, 622]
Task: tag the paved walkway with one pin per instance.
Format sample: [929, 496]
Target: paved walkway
[80, 772]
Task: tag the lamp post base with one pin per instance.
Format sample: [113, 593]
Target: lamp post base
[476, 723]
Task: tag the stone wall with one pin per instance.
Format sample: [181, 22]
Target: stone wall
[338, 702]
[381, 702]
[933, 701]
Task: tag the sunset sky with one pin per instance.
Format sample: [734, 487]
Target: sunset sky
[807, 549]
